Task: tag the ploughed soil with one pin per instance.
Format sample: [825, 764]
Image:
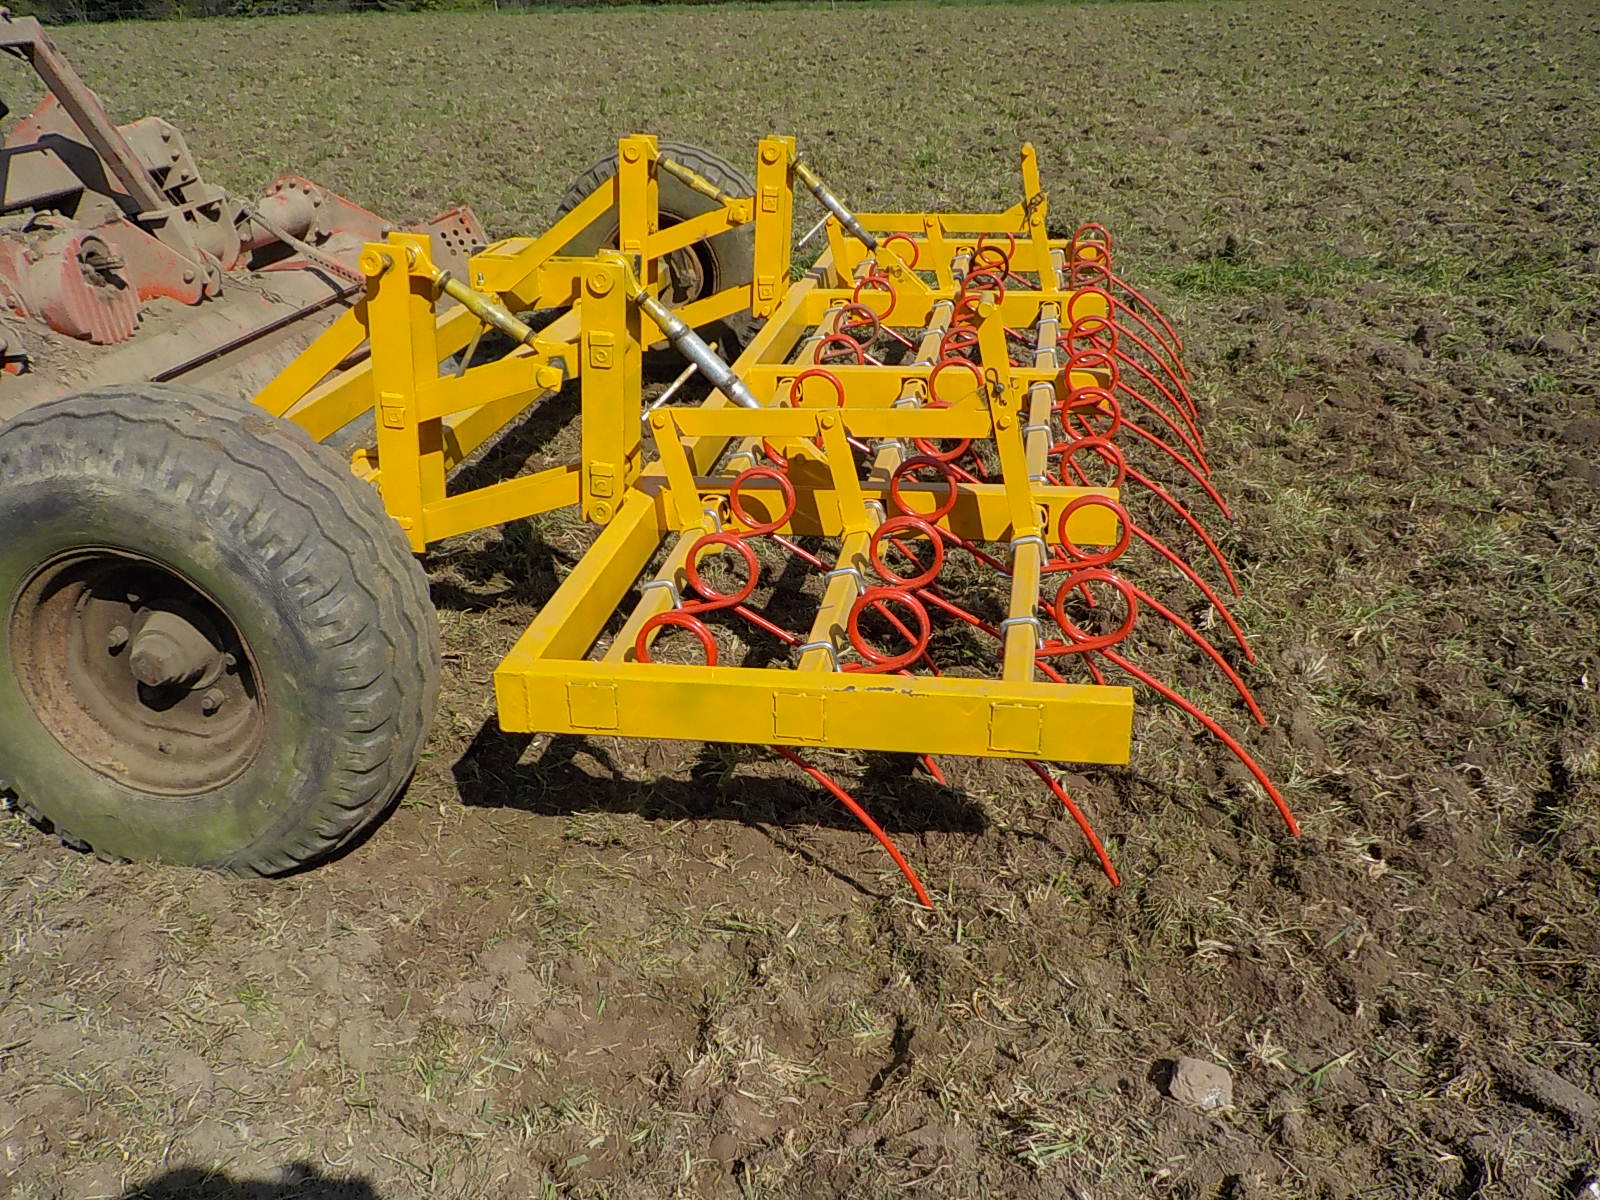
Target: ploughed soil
[590, 968]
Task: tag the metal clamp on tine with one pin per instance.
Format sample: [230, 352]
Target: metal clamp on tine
[1031, 429]
[833, 652]
[1044, 547]
[670, 585]
[876, 509]
[853, 572]
[745, 456]
[1038, 630]
[714, 515]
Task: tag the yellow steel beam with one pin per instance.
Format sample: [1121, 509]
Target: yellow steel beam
[982, 512]
[509, 500]
[992, 718]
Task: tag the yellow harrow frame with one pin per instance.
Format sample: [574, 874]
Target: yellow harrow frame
[656, 481]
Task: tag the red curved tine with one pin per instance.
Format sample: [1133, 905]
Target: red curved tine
[1093, 277]
[866, 820]
[1204, 643]
[1083, 821]
[1216, 731]
[1119, 462]
[1102, 335]
[1082, 403]
[1075, 559]
[1084, 644]
[1106, 339]
[1123, 285]
[1091, 242]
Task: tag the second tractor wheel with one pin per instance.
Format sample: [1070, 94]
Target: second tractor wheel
[707, 267]
[216, 648]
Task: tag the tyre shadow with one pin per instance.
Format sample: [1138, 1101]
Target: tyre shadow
[296, 1181]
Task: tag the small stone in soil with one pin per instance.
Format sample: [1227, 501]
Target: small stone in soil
[1200, 1084]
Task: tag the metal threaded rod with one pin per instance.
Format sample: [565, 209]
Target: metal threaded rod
[694, 180]
[486, 308]
[692, 346]
[831, 202]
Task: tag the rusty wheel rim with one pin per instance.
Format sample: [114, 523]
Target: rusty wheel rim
[137, 672]
[687, 274]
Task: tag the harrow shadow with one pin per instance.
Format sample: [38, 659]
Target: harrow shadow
[296, 1181]
[576, 775]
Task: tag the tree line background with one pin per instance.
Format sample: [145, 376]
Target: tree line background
[66, 12]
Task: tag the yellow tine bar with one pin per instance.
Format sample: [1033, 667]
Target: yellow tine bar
[1021, 626]
[659, 594]
[822, 644]
[1041, 394]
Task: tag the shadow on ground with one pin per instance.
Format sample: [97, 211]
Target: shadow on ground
[296, 1181]
[575, 774]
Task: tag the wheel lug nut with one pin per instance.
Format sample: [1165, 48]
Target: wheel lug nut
[117, 638]
[134, 599]
[211, 701]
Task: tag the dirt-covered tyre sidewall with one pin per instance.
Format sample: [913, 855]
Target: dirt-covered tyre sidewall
[733, 252]
[303, 560]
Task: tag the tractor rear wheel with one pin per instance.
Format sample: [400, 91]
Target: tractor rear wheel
[707, 267]
[217, 649]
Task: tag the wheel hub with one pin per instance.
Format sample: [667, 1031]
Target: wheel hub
[137, 673]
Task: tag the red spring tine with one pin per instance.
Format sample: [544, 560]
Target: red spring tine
[1088, 402]
[1098, 275]
[836, 343]
[916, 252]
[901, 525]
[1204, 643]
[1205, 588]
[959, 340]
[736, 494]
[860, 814]
[923, 462]
[1077, 407]
[856, 317]
[1092, 358]
[1107, 452]
[877, 283]
[1216, 731]
[1083, 821]
[714, 599]
[1079, 642]
[970, 286]
[944, 364]
[1104, 450]
[1094, 238]
[1083, 558]
[679, 619]
[950, 475]
[881, 598]
[1155, 312]
[1011, 245]
[1187, 402]
[797, 385]
[1002, 261]
[1102, 336]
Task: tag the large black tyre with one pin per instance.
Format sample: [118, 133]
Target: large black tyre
[727, 260]
[217, 648]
